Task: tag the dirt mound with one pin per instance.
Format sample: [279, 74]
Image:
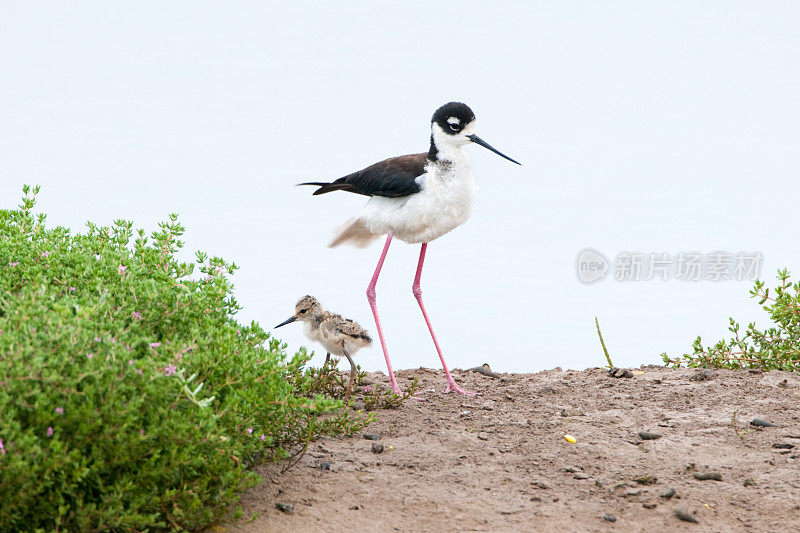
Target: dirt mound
[652, 452]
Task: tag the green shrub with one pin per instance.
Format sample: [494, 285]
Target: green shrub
[130, 397]
[776, 348]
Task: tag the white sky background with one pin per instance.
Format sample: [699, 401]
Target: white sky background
[641, 126]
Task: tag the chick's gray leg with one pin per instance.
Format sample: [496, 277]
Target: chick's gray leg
[352, 372]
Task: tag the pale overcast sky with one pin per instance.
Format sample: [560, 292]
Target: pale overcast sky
[642, 126]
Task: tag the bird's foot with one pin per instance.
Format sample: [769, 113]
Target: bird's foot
[452, 387]
[395, 389]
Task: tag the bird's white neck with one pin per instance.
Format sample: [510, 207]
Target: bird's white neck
[447, 148]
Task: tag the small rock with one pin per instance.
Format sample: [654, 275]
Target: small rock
[646, 480]
[287, 508]
[483, 436]
[581, 475]
[372, 436]
[703, 476]
[783, 446]
[667, 494]
[609, 518]
[573, 469]
[355, 508]
[761, 423]
[633, 492]
[686, 516]
[324, 466]
[646, 435]
[649, 505]
[536, 499]
[749, 482]
[615, 372]
[485, 370]
[377, 447]
[703, 375]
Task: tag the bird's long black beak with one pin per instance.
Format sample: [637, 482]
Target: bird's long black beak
[287, 321]
[478, 140]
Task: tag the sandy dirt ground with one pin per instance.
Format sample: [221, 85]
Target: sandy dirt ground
[500, 462]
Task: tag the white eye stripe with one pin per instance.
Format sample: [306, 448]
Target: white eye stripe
[453, 120]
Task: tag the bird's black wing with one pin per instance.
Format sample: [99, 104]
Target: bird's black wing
[392, 178]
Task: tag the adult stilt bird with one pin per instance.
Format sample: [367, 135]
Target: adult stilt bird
[415, 198]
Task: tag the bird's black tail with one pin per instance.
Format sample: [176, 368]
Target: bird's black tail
[326, 187]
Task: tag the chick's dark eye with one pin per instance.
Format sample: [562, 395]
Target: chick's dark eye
[455, 127]
[303, 311]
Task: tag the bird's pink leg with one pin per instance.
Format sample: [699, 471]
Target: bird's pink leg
[374, 306]
[417, 290]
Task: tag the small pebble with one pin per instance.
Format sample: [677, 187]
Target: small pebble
[646, 480]
[287, 508]
[615, 372]
[667, 494]
[703, 476]
[355, 508]
[749, 482]
[685, 516]
[609, 518]
[324, 466]
[761, 423]
[783, 446]
[377, 447]
[633, 492]
[581, 475]
[573, 469]
[646, 435]
[649, 505]
[372, 436]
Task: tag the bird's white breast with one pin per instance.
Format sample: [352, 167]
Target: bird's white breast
[445, 201]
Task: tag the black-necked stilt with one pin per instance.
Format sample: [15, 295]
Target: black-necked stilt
[415, 198]
[338, 335]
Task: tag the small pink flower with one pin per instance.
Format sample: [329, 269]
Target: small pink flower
[45, 254]
[72, 289]
[368, 388]
[139, 370]
[130, 361]
[60, 410]
[14, 263]
[155, 344]
[98, 339]
[170, 369]
[2, 449]
[141, 432]
[249, 430]
[136, 314]
[89, 355]
[121, 269]
[128, 346]
[263, 437]
[49, 431]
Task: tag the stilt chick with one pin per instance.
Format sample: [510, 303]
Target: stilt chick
[338, 335]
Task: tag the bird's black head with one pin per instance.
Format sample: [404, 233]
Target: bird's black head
[453, 117]
[452, 127]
